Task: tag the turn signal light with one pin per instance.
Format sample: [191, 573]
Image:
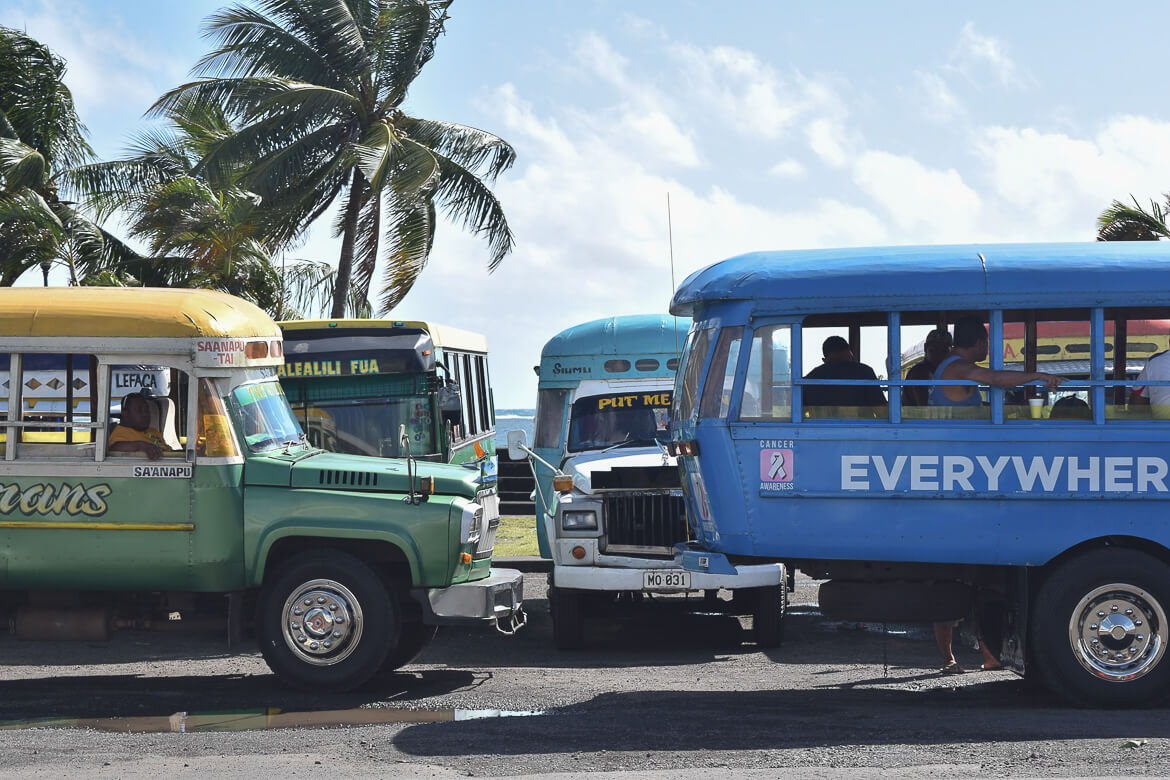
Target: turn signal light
[690, 448]
[465, 558]
[562, 483]
[426, 486]
[277, 349]
[255, 350]
[579, 552]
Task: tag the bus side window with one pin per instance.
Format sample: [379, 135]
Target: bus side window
[469, 420]
[482, 397]
[1137, 353]
[767, 393]
[721, 375]
[57, 404]
[550, 418]
[167, 394]
[857, 354]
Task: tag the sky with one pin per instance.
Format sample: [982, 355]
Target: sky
[769, 125]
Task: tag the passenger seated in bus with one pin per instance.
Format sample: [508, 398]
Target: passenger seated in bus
[1157, 369]
[839, 363]
[1070, 408]
[970, 347]
[938, 344]
[133, 433]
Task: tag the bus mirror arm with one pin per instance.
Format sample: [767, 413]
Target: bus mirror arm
[518, 450]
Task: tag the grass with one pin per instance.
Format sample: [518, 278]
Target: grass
[516, 536]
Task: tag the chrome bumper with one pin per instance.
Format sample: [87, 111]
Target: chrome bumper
[496, 598]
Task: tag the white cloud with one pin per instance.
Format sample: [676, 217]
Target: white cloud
[788, 168]
[975, 53]
[109, 67]
[1061, 183]
[749, 95]
[931, 205]
[939, 103]
[829, 141]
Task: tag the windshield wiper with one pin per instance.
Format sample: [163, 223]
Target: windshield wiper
[628, 443]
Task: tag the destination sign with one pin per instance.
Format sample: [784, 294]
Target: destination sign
[643, 400]
[307, 368]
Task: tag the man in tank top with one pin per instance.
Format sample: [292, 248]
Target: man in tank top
[970, 347]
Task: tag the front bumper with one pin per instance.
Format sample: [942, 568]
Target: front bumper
[498, 597]
[630, 578]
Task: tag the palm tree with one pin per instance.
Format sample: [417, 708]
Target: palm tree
[1120, 222]
[318, 86]
[202, 229]
[41, 139]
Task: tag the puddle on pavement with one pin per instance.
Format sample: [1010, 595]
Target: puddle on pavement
[260, 719]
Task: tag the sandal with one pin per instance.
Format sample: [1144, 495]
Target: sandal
[951, 668]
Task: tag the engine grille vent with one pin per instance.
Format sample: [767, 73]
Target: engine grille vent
[352, 478]
[650, 523]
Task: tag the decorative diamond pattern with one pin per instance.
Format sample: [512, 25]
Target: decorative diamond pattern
[55, 383]
[32, 384]
[78, 384]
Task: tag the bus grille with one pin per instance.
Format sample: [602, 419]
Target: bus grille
[648, 523]
[490, 501]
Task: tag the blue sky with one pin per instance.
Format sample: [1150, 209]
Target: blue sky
[771, 125]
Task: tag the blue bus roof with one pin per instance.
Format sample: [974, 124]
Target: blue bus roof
[588, 350]
[973, 276]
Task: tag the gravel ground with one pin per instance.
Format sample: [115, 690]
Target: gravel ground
[665, 689]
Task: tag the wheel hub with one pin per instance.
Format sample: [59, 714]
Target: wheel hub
[323, 622]
[1118, 632]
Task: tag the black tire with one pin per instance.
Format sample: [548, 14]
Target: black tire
[1081, 594]
[768, 615]
[415, 637]
[347, 598]
[568, 628]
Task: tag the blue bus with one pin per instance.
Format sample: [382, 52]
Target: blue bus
[609, 506]
[1050, 525]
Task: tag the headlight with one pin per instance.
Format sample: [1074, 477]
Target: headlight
[579, 521]
[472, 524]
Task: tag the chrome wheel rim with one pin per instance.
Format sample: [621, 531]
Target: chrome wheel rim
[1118, 632]
[322, 622]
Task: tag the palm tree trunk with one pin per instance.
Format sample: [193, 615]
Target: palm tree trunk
[348, 240]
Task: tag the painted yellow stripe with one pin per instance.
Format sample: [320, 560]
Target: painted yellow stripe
[83, 526]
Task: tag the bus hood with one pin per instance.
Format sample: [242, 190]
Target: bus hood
[634, 468]
[331, 471]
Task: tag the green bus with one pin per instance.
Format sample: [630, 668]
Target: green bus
[355, 384]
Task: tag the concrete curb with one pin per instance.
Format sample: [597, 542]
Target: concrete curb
[526, 563]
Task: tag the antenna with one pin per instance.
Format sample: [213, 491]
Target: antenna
[673, 286]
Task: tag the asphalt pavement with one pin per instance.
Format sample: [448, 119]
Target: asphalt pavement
[669, 687]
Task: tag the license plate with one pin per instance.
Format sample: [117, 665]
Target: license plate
[666, 579]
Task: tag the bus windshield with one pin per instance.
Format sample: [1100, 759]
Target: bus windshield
[264, 414]
[372, 427]
[623, 419]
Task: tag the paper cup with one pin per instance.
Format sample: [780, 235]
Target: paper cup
[1036, 407]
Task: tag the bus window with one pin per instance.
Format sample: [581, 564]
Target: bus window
[485, 419]
[56, 404]
[1053, 343]
[469, 418]
[688, 379]
[720, 377]
[1139, 341]
[842, 348]
[767, 393]
[550, 417]
[166, 394]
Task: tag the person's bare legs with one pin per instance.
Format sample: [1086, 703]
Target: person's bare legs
[943, 633]
[990, 662]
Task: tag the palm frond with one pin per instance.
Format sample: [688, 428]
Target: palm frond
[20, 165]
[467, 146]
[409, 238]
[1120, 222]
[468, 201]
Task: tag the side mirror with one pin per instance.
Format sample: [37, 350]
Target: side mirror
[517, 443]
